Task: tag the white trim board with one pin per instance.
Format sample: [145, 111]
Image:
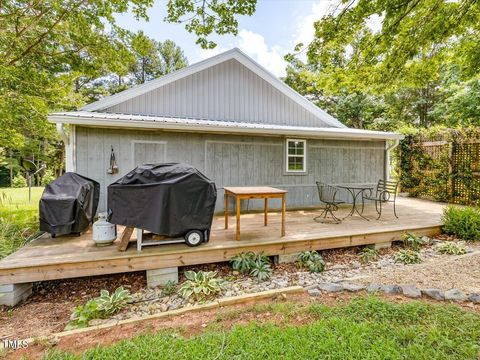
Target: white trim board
[234, 53]
[347, 147]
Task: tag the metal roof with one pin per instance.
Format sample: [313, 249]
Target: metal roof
[97, 119]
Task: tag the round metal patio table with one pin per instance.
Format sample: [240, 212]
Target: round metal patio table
[356, 190]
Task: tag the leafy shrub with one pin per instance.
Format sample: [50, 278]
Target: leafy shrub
[169, 288]
[201, 285]
[451, 248]
[47, 177]
[413, 241]
[110, 304]
[464, 222]
[99, 308]
[408, 257]
[312, 260]
[368, 254]
[243, 262]
[19, 181]
[256, 265]
[261, 270]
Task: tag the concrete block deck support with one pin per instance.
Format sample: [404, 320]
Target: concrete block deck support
[159, 277]
[382, 245]
[286, 258]
[12, 294]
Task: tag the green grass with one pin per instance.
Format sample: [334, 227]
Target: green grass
[364, 328]
[18, 217]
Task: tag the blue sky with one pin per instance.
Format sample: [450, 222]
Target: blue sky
[267, 36]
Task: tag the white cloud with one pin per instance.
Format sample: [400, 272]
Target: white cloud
[206, 53]
[305, 30]
[254, 45]
[270, 57]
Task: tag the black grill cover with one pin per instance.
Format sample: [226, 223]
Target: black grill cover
[168, 199]
[69, 204]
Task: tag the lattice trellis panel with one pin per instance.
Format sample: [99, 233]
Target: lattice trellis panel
[432, 168]
[466, 173]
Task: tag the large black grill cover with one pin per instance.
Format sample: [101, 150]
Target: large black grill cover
[69, 204]
[168, 199]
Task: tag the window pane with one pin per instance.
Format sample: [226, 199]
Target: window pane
[295, 163]
[296, 147]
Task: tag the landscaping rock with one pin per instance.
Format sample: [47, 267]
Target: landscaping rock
[411, 291]
[353, 287]
[310, 287]
[455, 295]
[314, 292]
[426, 240]
[391, 289]
[330, 287]
[356, 265]
[434, 294]
[374, 288]
[475, 298]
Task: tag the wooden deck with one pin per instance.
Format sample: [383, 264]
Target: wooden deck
[68, 257]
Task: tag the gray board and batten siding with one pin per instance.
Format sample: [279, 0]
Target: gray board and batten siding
[231, 160]
[228, 92]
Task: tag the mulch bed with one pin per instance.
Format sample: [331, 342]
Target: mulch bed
[48, 309]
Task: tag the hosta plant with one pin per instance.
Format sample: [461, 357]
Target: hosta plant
[201, 285]
[451, 248]
[110, 304]
[243, 262]
[408, 257]
[256, 265]
[368, 254]
[261, 270]
[312, 260]
[99, 308]
[413, 241]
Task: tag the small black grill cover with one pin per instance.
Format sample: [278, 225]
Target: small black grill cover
[69, 204]
[168, 199]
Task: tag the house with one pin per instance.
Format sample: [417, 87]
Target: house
[233, 120]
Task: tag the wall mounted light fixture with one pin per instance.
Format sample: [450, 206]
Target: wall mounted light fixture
[113, 168]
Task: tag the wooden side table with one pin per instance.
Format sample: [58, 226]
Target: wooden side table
[254, 192]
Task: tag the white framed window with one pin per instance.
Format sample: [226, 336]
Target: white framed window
[296, 155]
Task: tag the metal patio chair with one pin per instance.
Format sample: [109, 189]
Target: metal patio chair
[386, 191]
[328, 196]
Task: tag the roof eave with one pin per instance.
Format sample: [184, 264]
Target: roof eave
[330, 133]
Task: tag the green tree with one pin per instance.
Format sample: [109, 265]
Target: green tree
[48, 50]
[203, 17]
[153, 58]
[411, 64]
[58, 54]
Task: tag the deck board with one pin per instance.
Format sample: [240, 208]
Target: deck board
[65, 257]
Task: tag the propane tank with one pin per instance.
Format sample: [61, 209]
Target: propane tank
[104, 233]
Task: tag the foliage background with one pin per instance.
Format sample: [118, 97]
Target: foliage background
[441, 163]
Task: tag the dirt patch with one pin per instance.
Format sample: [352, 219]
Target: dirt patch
[48, 309]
